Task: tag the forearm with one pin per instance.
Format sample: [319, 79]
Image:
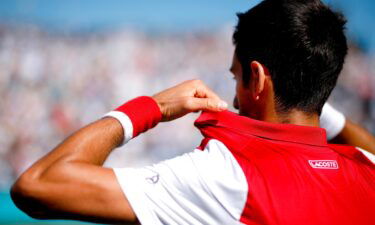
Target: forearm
[355, 135]
[91, 144]
[73, 170]
[75, 164]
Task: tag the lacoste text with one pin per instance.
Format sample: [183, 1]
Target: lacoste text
[324, 164]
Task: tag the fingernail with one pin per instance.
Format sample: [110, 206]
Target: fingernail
[223, 105]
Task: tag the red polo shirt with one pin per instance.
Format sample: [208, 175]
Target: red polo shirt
[253, 172]
[293, 175]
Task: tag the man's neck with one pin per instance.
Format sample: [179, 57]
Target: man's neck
[295, 117]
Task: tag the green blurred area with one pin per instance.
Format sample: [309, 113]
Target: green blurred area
[10, 214]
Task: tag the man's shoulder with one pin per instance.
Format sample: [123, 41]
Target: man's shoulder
[354, 153]
[223, 127]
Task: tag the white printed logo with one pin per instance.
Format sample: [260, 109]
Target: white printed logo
[154, 178]
[324, 164]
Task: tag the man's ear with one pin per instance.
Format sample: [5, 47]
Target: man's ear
[258, 77]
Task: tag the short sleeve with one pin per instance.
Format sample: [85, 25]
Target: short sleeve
[201, 187]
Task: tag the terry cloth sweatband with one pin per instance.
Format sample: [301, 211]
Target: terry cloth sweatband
[137, 116]
[332, 120]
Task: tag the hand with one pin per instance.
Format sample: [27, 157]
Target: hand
[189, 96]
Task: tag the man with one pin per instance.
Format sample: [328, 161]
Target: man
[269, 165]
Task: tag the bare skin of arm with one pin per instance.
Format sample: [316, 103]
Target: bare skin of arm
[355, 135]
[70, 182]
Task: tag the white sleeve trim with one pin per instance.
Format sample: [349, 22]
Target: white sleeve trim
[369, 155]
[332, 120]
[200, 187]
[126, 124]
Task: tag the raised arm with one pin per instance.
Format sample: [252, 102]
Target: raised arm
[341, 130]
[70, 182]
[355, 135]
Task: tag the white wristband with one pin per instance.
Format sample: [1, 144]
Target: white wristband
[126, 124]
[332, 120]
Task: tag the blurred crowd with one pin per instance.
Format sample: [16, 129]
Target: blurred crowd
[54, 83]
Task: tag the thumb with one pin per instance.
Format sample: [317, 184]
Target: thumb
[208, 104]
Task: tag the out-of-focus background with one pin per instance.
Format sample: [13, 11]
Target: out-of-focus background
[66, 63]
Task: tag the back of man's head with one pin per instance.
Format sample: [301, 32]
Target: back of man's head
[303, 45]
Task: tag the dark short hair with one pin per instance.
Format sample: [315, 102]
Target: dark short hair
[301, 42]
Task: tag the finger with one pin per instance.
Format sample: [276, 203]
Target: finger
[206, 104]
[205, 92]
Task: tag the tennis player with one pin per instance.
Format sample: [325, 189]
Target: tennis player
[269, 164]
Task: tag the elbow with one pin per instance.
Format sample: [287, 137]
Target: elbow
[25, 194]
[21, 191]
